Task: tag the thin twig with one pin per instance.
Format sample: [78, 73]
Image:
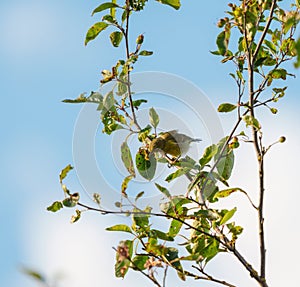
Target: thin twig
[165, 275]
[211, 278]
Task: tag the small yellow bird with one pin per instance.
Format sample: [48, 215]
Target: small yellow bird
[172, 143]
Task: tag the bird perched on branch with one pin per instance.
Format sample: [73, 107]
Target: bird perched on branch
[172, 143]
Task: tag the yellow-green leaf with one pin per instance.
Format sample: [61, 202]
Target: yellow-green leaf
[56, 206]
[94, 31]
[145, 164]
[145, 53]
[226, 108]
[116, 38]
[105, 6]
[154, 118]
[125, 184]
[64, 172]
[251, 121]
[228, 216]
[173, 3]
[127, 158]
[163, 190]
[208, 154]
[119, 227]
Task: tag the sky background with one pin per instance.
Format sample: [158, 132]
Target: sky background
[43, 61]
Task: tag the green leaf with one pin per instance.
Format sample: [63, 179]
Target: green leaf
[194, 257]
[226, 162]
[211, 250]
[108, 18]
[81, 99]
[139, 195]
[139, 261]
[141, 219]
[271, 46]
[110, 126]
[227, 192]
[145, 53]
[116, 38]
[105, 6]
[94, 97]
[226, 59]
[34, 274]
[173, 3]
[137, 103]
[154, 118]
[124, 15]
[289, 23]
[179, 172]
[208, 154]
[172, 257]
[161, 235]
[109, 101]
[225, 165]
[122, 89]
[94, 31]
[251, 121]
[56, 206]
[221, 43]
[163, 190]
[278, 74]
[297, 48]
[187, 162]
[64, 173]
[127, 158]
[217, 53]
[125, 184]
[228, 215]
[235, 230]
[71, 201]
[226, 108]
[175, 206]
[120, 228]
[240, 75]
[145, 164]
[121, 268]
[259, 62]
[175, 227]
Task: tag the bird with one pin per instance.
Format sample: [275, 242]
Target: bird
[172, 143]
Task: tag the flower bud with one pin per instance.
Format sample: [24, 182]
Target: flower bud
[221, 23]
[282, 139]
[140, 39]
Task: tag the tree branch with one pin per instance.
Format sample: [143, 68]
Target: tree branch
[265, 31]
[128, 68]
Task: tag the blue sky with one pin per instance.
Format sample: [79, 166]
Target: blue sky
[43, 60]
